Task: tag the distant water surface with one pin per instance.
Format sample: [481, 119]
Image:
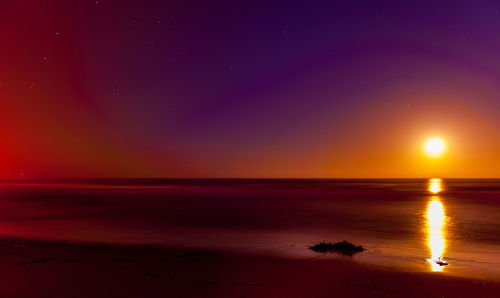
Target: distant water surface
[406, 223]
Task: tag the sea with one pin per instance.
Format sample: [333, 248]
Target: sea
[441, 226]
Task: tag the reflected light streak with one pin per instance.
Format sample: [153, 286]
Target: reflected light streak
[435, 185]
[435, 233]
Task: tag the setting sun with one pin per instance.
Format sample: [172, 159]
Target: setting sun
[434, 147]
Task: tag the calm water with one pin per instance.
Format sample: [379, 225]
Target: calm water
[407, 223]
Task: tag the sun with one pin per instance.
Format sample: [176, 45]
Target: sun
[434, 147]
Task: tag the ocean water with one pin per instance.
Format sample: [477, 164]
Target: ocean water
[404, 223]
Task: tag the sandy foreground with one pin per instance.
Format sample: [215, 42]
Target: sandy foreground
[49, 269]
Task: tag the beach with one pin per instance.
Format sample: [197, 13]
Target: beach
[48, 269]
[249, 149]
[248, 238]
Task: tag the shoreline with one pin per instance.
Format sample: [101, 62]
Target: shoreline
[36, 268]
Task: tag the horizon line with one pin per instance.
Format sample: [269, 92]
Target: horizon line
[231, 178]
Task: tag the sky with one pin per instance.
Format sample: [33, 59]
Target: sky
[312, 89]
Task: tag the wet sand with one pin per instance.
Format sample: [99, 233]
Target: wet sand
[55, 269]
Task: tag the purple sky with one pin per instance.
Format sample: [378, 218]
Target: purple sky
[248, 88]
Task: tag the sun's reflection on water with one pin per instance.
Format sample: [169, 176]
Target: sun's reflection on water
[436, 220]
[435, 185]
